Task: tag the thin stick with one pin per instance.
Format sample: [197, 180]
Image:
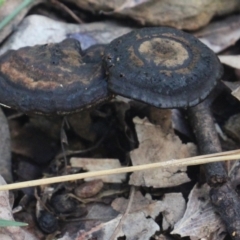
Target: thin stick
[69, 11]
[124, 216]
[216, 157]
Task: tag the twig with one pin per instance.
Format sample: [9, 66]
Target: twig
[69, 11]
[223, 156]
[129, 205]
[69, 153]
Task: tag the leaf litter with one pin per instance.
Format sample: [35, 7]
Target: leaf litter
[106, 209]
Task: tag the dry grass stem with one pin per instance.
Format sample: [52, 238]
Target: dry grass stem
[216, 157]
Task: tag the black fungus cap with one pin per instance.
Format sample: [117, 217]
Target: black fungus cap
[94, 54]
[51, 78]
[162, 66]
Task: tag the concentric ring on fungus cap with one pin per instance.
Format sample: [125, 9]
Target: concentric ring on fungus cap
[51, 78]
[161, 66]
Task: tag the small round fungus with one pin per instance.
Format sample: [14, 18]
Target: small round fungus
[162, 66]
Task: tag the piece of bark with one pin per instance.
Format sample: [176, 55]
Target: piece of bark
[36, 29]
[221, 34]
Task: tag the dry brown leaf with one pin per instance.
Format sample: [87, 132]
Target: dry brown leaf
[156, 146]
[232, 127]
[172, 207]
[97, 214]
[217, 235]
[230, 60]
[235, 88]
[36, 29]
[129, 4]
[96, 164]
[163, 237]
[162, 117]
[140, 203]
[200, 219]
[182, 14]
[135, 226]
[220, 34]
[7, 8]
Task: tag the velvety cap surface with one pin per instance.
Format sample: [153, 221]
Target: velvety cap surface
[164, 67]
[51, 78]
[94, 54]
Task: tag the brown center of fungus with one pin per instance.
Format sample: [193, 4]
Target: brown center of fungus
[163, 52]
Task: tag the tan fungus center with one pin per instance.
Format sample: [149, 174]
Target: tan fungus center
[164, 52]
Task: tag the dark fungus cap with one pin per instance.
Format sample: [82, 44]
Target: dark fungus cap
[51, 78]
[162, 66]
[94, 54]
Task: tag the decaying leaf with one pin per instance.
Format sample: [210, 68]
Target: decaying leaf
[232, 127]
[220, 34]
[230, 60]
[97, 214]
[135, 226]
[182, 14]
[235, 87]
[163, 237]
[45, 30]
[155, 145]
[234, 173]
[199, 220]
[96, 164]
[130, 4]
[7, 9]
[172, 207]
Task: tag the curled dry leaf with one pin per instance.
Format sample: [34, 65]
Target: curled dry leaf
[172, 207]
[220, 34]
[181, 14]
[200, 219]
[155, 146]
